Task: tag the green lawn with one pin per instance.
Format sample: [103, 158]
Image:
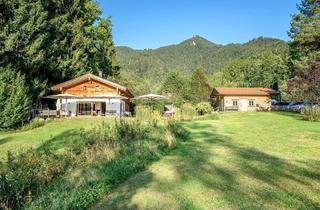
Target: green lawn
[241, 161]
[53, 134]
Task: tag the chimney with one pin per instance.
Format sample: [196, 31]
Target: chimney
[100, 74]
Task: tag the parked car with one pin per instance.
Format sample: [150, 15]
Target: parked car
[280, 106]
[274, 102]
[291, 105]
[299, 106]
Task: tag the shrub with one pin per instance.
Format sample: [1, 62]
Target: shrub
[186, 112]
[130, 130]
[203, 108]
[178, 130]
[34, 123]
[169, 139]
[143, 113]
[311, 113]
[147, 115]
[24, 175]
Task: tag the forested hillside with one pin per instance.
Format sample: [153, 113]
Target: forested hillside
[145, 70]
[151, 65]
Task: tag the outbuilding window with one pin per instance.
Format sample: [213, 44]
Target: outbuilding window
[235, 102]
[251, 102]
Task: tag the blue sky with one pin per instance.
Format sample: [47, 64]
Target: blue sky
[144, 24]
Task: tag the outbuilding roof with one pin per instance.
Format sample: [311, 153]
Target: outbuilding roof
[243, 92]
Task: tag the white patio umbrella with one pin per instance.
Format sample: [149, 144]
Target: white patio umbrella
[62, 96]
[151, 98]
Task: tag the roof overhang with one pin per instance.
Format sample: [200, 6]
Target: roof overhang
[88, 77]
[243, 92]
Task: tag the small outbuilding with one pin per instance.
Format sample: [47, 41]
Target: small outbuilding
[243, 99]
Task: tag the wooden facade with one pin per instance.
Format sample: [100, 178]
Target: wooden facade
[89, 88]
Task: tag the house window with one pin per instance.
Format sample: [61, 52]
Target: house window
[251, 102]
[235, 102]
[97, 88]
[84, 88]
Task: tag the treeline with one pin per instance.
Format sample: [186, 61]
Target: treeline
[46, 42]
[266, 69]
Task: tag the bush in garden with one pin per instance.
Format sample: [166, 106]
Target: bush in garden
[185, 112]
[203, 108]
[311, 113]
[130, 130]
[34, 123]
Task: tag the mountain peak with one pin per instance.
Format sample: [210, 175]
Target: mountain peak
[197, 40]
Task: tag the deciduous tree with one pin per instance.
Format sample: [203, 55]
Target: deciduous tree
[306, 84]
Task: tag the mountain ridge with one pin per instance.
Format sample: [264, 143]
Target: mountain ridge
[151, 65]
[202, 38]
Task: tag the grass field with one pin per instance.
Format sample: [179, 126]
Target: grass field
[241, 161]
[52, 134]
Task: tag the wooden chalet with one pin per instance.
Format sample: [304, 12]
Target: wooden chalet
[92, 95]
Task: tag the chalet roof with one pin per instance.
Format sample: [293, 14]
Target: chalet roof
[243, 92]
[88, 77]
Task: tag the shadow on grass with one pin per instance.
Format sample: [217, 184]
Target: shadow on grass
[5, 140]
[293, 115]
[60, 141]
[249, 179]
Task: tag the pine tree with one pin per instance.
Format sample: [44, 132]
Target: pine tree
[305, 34]
[55, 40]
[199, 87]
[176, 87]
[14, 99]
